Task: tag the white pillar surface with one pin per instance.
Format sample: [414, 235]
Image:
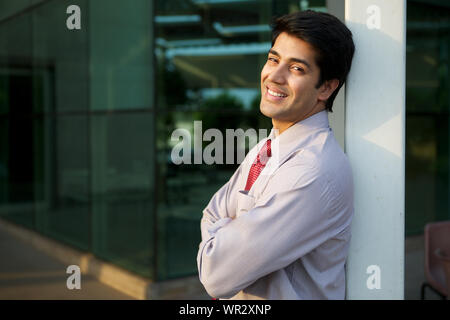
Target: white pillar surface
[375, 145]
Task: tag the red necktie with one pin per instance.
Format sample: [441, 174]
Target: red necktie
[260, 162]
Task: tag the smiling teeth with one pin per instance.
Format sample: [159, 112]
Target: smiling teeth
[272, 93]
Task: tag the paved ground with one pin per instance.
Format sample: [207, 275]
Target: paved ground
[27, 273]
[414, 269]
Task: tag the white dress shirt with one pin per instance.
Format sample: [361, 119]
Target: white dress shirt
[288, 236]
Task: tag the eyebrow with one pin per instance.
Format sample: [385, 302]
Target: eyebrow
[291, 59]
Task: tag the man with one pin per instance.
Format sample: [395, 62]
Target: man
[280, 227]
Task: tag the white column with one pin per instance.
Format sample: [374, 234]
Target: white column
[375, 144]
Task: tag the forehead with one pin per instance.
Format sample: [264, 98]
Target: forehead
[291, 47]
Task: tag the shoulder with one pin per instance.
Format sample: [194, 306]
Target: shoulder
[322, 161]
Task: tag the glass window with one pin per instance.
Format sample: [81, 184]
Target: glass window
[16, 106]
[122, 138]
[63, 54]
[427, 114]
[122, 158]
[120, 40]
[67, 217]
[76, 124]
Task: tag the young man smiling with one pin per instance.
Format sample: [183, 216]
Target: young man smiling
[280, 227]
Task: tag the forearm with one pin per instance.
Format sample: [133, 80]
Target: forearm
[223, 203]
[209, 228]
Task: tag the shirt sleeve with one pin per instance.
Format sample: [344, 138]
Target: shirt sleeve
[278, 230]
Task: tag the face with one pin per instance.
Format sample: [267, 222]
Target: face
[288, 83]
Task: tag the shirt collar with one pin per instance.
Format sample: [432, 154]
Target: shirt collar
[296, 136]
[302, 128]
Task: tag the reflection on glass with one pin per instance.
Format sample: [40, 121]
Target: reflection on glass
[16, 83]
[427, 107]
[122, 189]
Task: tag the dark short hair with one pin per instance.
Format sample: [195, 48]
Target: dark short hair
[331, 39]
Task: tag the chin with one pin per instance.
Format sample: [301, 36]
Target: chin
[268, 110]
[265, 111]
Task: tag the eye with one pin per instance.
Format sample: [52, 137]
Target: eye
[299, 69]
[272, 59]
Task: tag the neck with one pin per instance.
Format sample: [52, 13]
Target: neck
[280, 125]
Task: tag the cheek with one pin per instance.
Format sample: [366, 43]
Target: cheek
[298, 90]
[302, 89]
[264, 73]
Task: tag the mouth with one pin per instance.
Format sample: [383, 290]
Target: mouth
[273, 94]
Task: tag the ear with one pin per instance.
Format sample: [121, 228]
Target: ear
[327, 88]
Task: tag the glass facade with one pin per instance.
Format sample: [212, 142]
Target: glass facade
[87, 116]
[427, 114]
[77, 126]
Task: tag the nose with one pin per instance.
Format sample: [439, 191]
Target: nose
[277, 75]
